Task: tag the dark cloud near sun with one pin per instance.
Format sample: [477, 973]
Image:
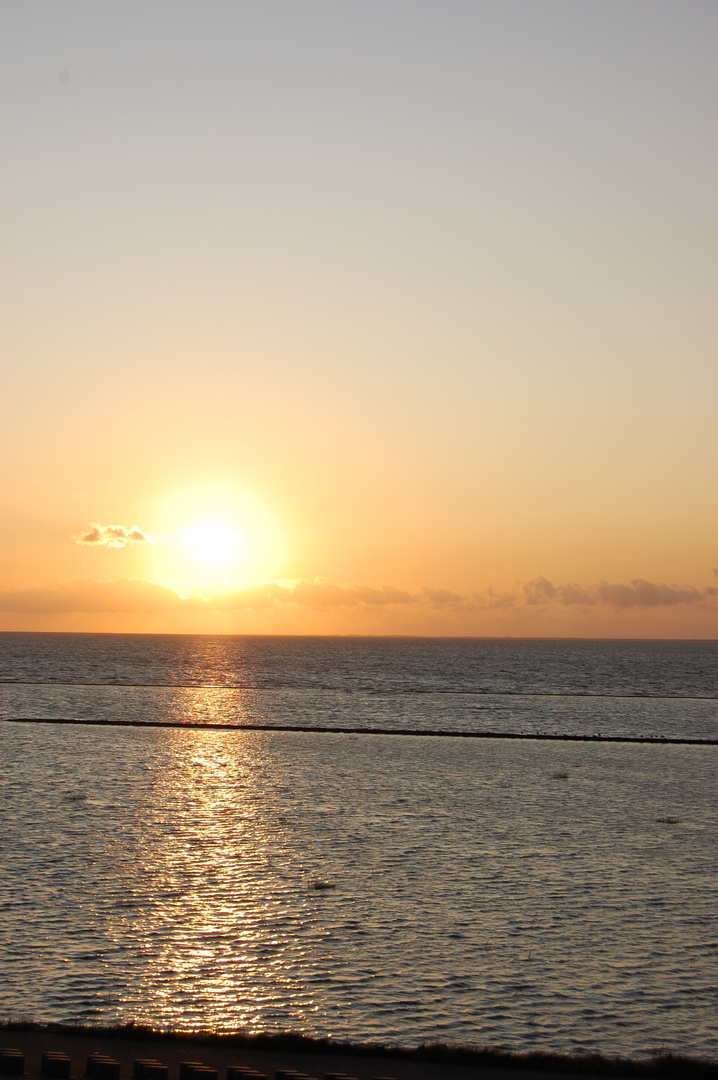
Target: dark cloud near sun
[116, 536]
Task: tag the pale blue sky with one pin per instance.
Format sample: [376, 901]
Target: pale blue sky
[449, 267]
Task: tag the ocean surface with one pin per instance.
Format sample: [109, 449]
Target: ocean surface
[523, 894]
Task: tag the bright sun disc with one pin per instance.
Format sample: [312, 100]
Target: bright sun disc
[214, 542]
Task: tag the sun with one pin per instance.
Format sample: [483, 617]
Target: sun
[215, 544]
[216, 534]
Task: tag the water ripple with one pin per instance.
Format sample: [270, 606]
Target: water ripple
[546, 895]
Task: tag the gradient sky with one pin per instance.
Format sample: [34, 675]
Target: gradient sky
[379, 316]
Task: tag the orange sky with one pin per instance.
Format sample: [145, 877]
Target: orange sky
[380, 318]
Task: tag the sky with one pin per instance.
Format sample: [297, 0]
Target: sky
[359, 317]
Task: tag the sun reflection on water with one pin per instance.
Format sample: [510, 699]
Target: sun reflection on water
[175, 877]
[216, 705]
[224, 906]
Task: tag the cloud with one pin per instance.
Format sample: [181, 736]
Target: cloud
[136, 595]
[482, 601]
[539, 591]
[444, 598]
[321, 595]
[317, 595]
[141, 596]
[642, 593]
[637, 593]
[494, 600]
[125, 595]
[118, 536]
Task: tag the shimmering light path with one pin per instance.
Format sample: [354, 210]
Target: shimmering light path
[553, 895]
[305, 853]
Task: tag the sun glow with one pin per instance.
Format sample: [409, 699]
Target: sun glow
[219, 536]
[216, 544]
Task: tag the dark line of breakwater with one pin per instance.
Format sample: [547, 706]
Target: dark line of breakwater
[383, 692]
[654, 740]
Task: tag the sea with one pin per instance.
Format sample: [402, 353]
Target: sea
[507, 843]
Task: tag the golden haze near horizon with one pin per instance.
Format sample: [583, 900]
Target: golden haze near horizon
[377, 318]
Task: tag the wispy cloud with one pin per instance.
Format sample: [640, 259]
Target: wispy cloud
[142, 596]
[138, 595]
[321, 594]
[125, 595]
[316, 595]
[481, 601]
[119, 536]
[637, 593]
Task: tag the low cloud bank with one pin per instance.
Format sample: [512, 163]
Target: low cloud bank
[96, 596]
[131, 595]
[637, 593]
[141, 596]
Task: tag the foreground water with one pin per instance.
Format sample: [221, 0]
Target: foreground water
[401, 889]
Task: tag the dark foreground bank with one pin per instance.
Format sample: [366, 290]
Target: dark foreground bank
[316, 1057]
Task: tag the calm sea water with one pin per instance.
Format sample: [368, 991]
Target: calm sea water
[549, 895]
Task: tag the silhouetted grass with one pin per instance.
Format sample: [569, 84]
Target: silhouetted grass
[659, 1064]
